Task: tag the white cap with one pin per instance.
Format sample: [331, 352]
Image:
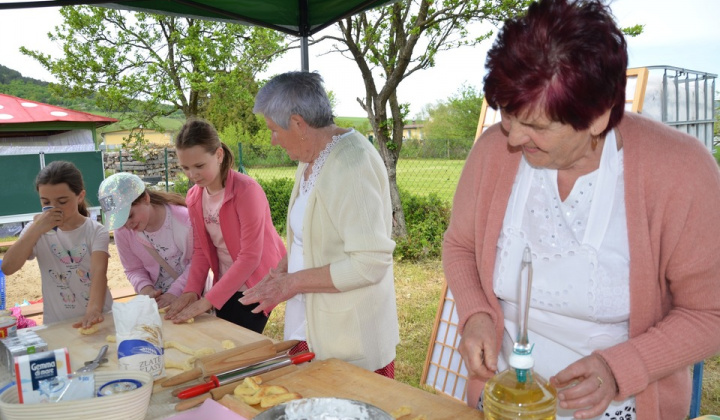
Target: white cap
[116, 195]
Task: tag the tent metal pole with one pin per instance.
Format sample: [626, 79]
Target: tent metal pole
[304, 54]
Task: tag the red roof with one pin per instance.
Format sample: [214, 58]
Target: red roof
[14, 110]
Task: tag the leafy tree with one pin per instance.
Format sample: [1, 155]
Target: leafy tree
[398, 40]
[138, 145]
[456, 118]
[138, 63]
[394, 42]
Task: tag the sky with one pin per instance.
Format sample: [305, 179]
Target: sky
[682, 34]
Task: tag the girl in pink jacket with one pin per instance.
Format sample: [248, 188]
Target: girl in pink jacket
[232, 230]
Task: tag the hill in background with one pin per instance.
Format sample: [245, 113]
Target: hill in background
[13, 83]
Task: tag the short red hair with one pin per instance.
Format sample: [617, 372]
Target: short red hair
[567, 57]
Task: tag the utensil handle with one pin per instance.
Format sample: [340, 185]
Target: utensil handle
[180, 389]
[261, 368]
[302, 358]
[198, 389]
[285, 345]
[101, 354]
[183, 377]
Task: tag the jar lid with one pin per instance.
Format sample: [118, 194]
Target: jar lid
[118, 386]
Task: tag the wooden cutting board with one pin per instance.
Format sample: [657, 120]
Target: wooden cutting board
[335, 378]
[206, 331]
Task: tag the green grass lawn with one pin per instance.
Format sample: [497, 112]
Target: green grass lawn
[418, 176]
[417, 286]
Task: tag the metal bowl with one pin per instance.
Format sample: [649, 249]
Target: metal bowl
[320, 408]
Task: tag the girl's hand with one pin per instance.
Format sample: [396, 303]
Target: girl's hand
[48, 219]
[152, 292]
[165, 299]
[191, 311]
[91, 317]
[478, 346]
[587, 384]
[180, 303]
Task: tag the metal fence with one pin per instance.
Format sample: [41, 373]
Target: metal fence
[425, 166]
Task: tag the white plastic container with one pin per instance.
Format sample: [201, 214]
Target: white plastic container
[683, 99]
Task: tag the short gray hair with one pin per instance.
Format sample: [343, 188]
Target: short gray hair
[295, 92]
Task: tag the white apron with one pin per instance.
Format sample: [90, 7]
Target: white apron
[566, 323]
[295, 319]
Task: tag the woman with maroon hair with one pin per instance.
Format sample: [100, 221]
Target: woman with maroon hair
[613, 206]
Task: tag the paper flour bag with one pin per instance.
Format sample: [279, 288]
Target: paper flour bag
[139, 336]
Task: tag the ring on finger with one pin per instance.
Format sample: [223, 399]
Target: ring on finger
[600, 382]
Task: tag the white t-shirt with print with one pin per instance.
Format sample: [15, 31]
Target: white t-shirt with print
[163, 240]
[64, 260]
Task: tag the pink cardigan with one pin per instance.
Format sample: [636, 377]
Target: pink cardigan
[140, 267]
[672, 191]
[249, 234]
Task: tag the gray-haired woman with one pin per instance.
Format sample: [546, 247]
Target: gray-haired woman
[337, 278]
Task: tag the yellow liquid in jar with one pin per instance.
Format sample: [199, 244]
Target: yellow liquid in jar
[507, 399]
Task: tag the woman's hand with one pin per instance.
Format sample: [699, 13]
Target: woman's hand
[180, 303]
[191, 311]
[587, 384]
[152, 292]
[274, 288]
[91, 317]
[165, 299]
[478, 346]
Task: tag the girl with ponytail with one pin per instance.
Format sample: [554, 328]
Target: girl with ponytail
[233, 232]
[71, 249]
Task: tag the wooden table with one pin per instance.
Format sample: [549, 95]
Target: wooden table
[336, 378]
[329, 378]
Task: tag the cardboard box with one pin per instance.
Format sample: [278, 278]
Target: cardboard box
[30, 369]
[26, 342]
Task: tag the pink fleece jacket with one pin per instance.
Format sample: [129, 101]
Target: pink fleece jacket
[249, 234]
[672, 191]
[140, 267]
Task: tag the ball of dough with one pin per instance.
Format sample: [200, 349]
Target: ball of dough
[89, 330]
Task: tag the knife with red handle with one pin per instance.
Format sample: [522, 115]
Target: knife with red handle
[239, 374]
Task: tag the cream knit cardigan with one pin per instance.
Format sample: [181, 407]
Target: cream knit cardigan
[672, 196]
[348, 225]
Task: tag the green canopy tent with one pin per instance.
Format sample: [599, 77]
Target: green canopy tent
[301, 18]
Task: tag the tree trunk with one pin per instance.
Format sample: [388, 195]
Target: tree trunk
[390, 152]
[375, 105]
[390, 157]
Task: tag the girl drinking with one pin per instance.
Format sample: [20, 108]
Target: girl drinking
[71, 249]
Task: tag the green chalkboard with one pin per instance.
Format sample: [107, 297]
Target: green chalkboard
[18, 172]
[17, 180]
[91, 166]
